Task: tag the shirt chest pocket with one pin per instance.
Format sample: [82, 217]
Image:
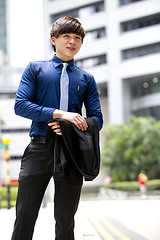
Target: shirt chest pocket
[76, 94]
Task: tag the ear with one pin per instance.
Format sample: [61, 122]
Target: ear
[53, 41]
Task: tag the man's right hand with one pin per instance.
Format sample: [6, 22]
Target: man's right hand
[74, 118]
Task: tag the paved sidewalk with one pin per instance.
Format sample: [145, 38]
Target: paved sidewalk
[140, 216]
[44, 229]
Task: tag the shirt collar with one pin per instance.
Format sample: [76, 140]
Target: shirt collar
[57, 62]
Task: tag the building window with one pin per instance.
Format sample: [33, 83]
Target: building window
[7, 95]
[95, 34]
[142, 86]
[92, 61]
[80, 12]
[14, 130]
[140, 51]
[125, 2]
[153, 112]
[140, 23]
[102, 89]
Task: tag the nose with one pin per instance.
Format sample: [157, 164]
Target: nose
[72, 40]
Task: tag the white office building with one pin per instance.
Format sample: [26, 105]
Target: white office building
[121, 50]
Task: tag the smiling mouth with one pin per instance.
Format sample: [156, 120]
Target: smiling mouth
[71, 49]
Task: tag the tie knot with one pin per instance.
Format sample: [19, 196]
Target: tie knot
[65, 64]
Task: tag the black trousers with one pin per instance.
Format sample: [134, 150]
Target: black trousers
[35, 174]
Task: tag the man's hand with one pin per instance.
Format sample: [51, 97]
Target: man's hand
[56, 128]
[74, 118]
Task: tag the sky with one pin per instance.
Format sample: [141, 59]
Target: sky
[25, 32]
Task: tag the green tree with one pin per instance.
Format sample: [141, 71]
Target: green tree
[131, 147]
[1, 122]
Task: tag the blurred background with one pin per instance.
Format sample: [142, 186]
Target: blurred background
[121, 49]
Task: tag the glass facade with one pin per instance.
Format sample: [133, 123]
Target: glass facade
[87, 63]
[80, 12]
[3, 25]
[95, 34]
[102, 89]
[145, 85]
[140, 23]
[7, 95]
[140, 51]
[146, 112]
[125, 2]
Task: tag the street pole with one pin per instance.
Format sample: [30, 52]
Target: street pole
[6, 140]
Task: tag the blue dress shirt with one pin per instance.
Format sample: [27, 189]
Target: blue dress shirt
[38, 94]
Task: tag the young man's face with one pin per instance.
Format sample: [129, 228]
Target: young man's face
[67, 45]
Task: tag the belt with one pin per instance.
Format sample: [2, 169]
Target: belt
[38, 139]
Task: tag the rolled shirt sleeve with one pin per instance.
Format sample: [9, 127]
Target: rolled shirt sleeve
[25, 105]
[92, 102]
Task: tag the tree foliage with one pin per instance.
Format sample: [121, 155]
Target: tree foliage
[131, 147]
[1, 122]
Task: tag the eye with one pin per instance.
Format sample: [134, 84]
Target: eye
[78, 37]
[66, 35]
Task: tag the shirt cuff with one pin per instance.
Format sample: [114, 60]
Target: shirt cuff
[46, 114]
[100, 125]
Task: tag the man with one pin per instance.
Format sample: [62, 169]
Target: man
[142, 180]
[39, 99]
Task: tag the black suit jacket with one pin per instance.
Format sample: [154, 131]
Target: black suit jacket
[77, 147]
